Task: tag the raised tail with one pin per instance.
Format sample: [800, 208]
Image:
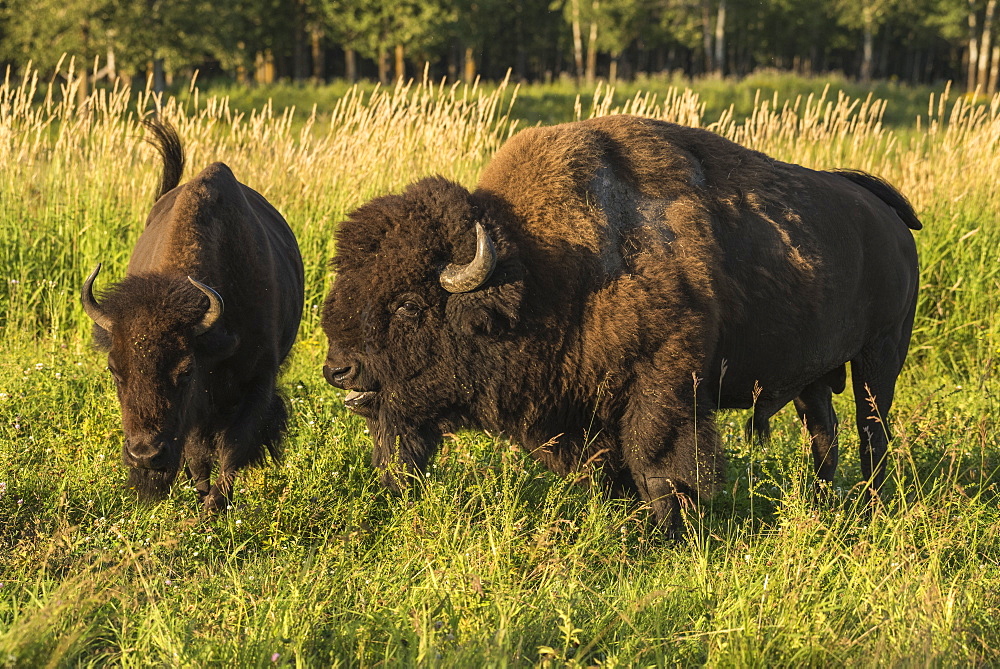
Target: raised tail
[885, 192]
[164, 139]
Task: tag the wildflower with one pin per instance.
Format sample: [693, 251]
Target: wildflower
[274, 658]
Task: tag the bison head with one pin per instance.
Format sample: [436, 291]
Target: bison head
[164, 337]
[426, 283]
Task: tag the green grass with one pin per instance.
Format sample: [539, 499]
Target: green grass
[554, 102]
[491, 561]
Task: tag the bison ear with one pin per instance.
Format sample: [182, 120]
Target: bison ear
[490, 310]
[102, 338]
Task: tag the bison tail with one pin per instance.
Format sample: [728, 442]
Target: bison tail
[885, 192]
[164, 139]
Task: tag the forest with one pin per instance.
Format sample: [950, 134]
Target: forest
[912, 41]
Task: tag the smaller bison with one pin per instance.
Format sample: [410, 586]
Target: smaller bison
[197, 330]
[608, 286]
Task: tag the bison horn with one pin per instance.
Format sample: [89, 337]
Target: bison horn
[466, 278]
[90, 305]
[215, 308]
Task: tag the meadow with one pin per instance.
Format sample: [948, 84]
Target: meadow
[492, 561]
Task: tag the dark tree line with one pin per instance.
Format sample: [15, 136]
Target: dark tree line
[264, 40]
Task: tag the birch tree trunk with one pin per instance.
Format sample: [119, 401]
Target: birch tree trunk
[970, 74]
[400, 63]
[706, 35]
[577, 38]
[469, 67]
[985, 40]
[720, 39]
[592, 47]
[868, 41]
[991, 89]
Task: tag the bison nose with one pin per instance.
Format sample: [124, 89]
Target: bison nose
[147, 456]
[339, 377]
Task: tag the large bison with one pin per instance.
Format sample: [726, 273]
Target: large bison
[607, 287]
[197, 330]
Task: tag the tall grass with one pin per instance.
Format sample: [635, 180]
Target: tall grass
[493, 562]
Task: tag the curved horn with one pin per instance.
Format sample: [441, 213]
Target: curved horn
[90, 305]
[466, 278]
[215, 308]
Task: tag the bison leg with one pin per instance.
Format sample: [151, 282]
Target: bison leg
[254, 430]
[815, 408]
[198, 465]
[673, 458]
[874, 373]
[758, 427]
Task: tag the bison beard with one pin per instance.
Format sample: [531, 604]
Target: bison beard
[152, 484]
[608, 287]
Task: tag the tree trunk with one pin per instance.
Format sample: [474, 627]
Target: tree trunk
[994, 72]
[613, 71]
[299, 65]
[400, 63]
[83, 90]
[868, 42]
[159, 81]
[592, 50]
[720, 39]
[318, 59]
[469, 66]
[383, 66]
[973, 62]
[985, 50]
[350, 65]
[577, 39]
[706, 35]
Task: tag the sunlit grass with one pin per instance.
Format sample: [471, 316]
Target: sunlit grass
[493, 561]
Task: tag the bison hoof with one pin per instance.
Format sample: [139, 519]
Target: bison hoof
[215, 501]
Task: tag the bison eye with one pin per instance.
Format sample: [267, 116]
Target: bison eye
[182, 374]
[409, 309]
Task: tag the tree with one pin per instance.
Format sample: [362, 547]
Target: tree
[867, 16]
[42, 31]
[617, 24]
[373, 27]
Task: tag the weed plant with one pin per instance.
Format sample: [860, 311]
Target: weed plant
[490, 560]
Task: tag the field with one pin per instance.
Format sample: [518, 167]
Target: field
[493, 561]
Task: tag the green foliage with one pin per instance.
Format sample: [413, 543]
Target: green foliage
[531, 36]
[490, 560]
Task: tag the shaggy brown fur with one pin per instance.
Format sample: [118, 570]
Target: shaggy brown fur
[647, 275]
[201, 399]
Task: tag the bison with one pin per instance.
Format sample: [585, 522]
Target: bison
[607, 287]
[197, 330]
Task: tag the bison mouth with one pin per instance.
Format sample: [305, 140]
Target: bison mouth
[357, 400]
